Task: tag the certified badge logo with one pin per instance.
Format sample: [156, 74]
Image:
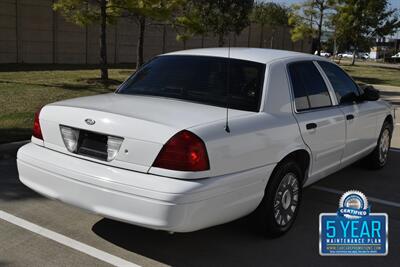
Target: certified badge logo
[353, 230]
[353, 205]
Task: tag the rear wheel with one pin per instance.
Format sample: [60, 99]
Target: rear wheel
[378, 158]
[280, 205]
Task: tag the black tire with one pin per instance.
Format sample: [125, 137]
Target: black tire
[265, 213]
[376, 160]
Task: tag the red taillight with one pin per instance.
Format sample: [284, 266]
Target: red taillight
[185, 151]
[36, 131]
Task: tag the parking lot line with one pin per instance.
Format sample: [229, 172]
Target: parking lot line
[371, 199]
[66, 241]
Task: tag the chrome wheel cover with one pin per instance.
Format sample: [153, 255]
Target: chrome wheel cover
[384, 145]
[286, 199]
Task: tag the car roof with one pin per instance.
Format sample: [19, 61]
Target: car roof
[260, 55]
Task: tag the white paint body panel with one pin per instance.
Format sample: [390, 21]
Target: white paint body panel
[145, 123]
[241, 162]
[326, 142]
[143, 199]
[361, 133]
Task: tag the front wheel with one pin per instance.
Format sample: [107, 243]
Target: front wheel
[378, 158]
[280, 205]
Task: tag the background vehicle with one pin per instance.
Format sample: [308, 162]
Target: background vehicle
[346, 55]
[323, 54]
[162, 152]
[396, 55]
[363, 55]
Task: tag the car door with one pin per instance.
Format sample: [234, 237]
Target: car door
[361, 117]
[321, 122]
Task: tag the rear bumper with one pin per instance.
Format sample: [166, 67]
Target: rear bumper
[138, 198]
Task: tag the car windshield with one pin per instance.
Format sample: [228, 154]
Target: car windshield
[200, 79]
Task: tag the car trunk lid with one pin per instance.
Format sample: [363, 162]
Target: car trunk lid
[144, 123]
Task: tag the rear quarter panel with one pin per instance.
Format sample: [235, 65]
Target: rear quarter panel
[258, 139]
[384, 109]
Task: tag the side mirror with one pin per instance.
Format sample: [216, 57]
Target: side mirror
[350, 98]
[369, 93]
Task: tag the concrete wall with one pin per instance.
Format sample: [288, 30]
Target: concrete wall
[31, 32]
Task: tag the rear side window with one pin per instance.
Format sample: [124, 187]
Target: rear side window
[344, 86]
[309, 87]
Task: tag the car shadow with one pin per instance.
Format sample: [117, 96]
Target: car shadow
[216, 246]
[8, 135]
[11, 188]
[238, 243]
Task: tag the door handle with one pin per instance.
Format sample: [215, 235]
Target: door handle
[349, 117]
[311, 126]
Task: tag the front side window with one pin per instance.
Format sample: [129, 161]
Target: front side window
[345, 88]
[309, 87]
[200, 79]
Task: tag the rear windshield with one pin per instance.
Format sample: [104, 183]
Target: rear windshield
[200, 79]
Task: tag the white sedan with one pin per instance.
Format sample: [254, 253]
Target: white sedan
[346, 55]
[196, 138]
[323, 54]
[396, 55]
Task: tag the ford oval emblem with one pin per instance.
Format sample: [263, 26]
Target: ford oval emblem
[90, 121]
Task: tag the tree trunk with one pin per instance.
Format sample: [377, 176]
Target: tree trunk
[139, 52]
[103, 41]
[271, 41]
[353, 59]
[321, 17]
[249, 36]
[335, 50]
[221, 40]
[164, 38]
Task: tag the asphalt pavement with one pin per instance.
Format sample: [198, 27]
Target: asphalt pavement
[50, 233]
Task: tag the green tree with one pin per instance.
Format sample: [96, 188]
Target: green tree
[221, 17]
[84, 12]
[358, 21]
[187, 22]
[307, 20]
[142, 11]
[269, 14]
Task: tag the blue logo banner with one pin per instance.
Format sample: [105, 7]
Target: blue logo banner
[366, 235]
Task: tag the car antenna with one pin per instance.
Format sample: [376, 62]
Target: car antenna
[227, 129]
